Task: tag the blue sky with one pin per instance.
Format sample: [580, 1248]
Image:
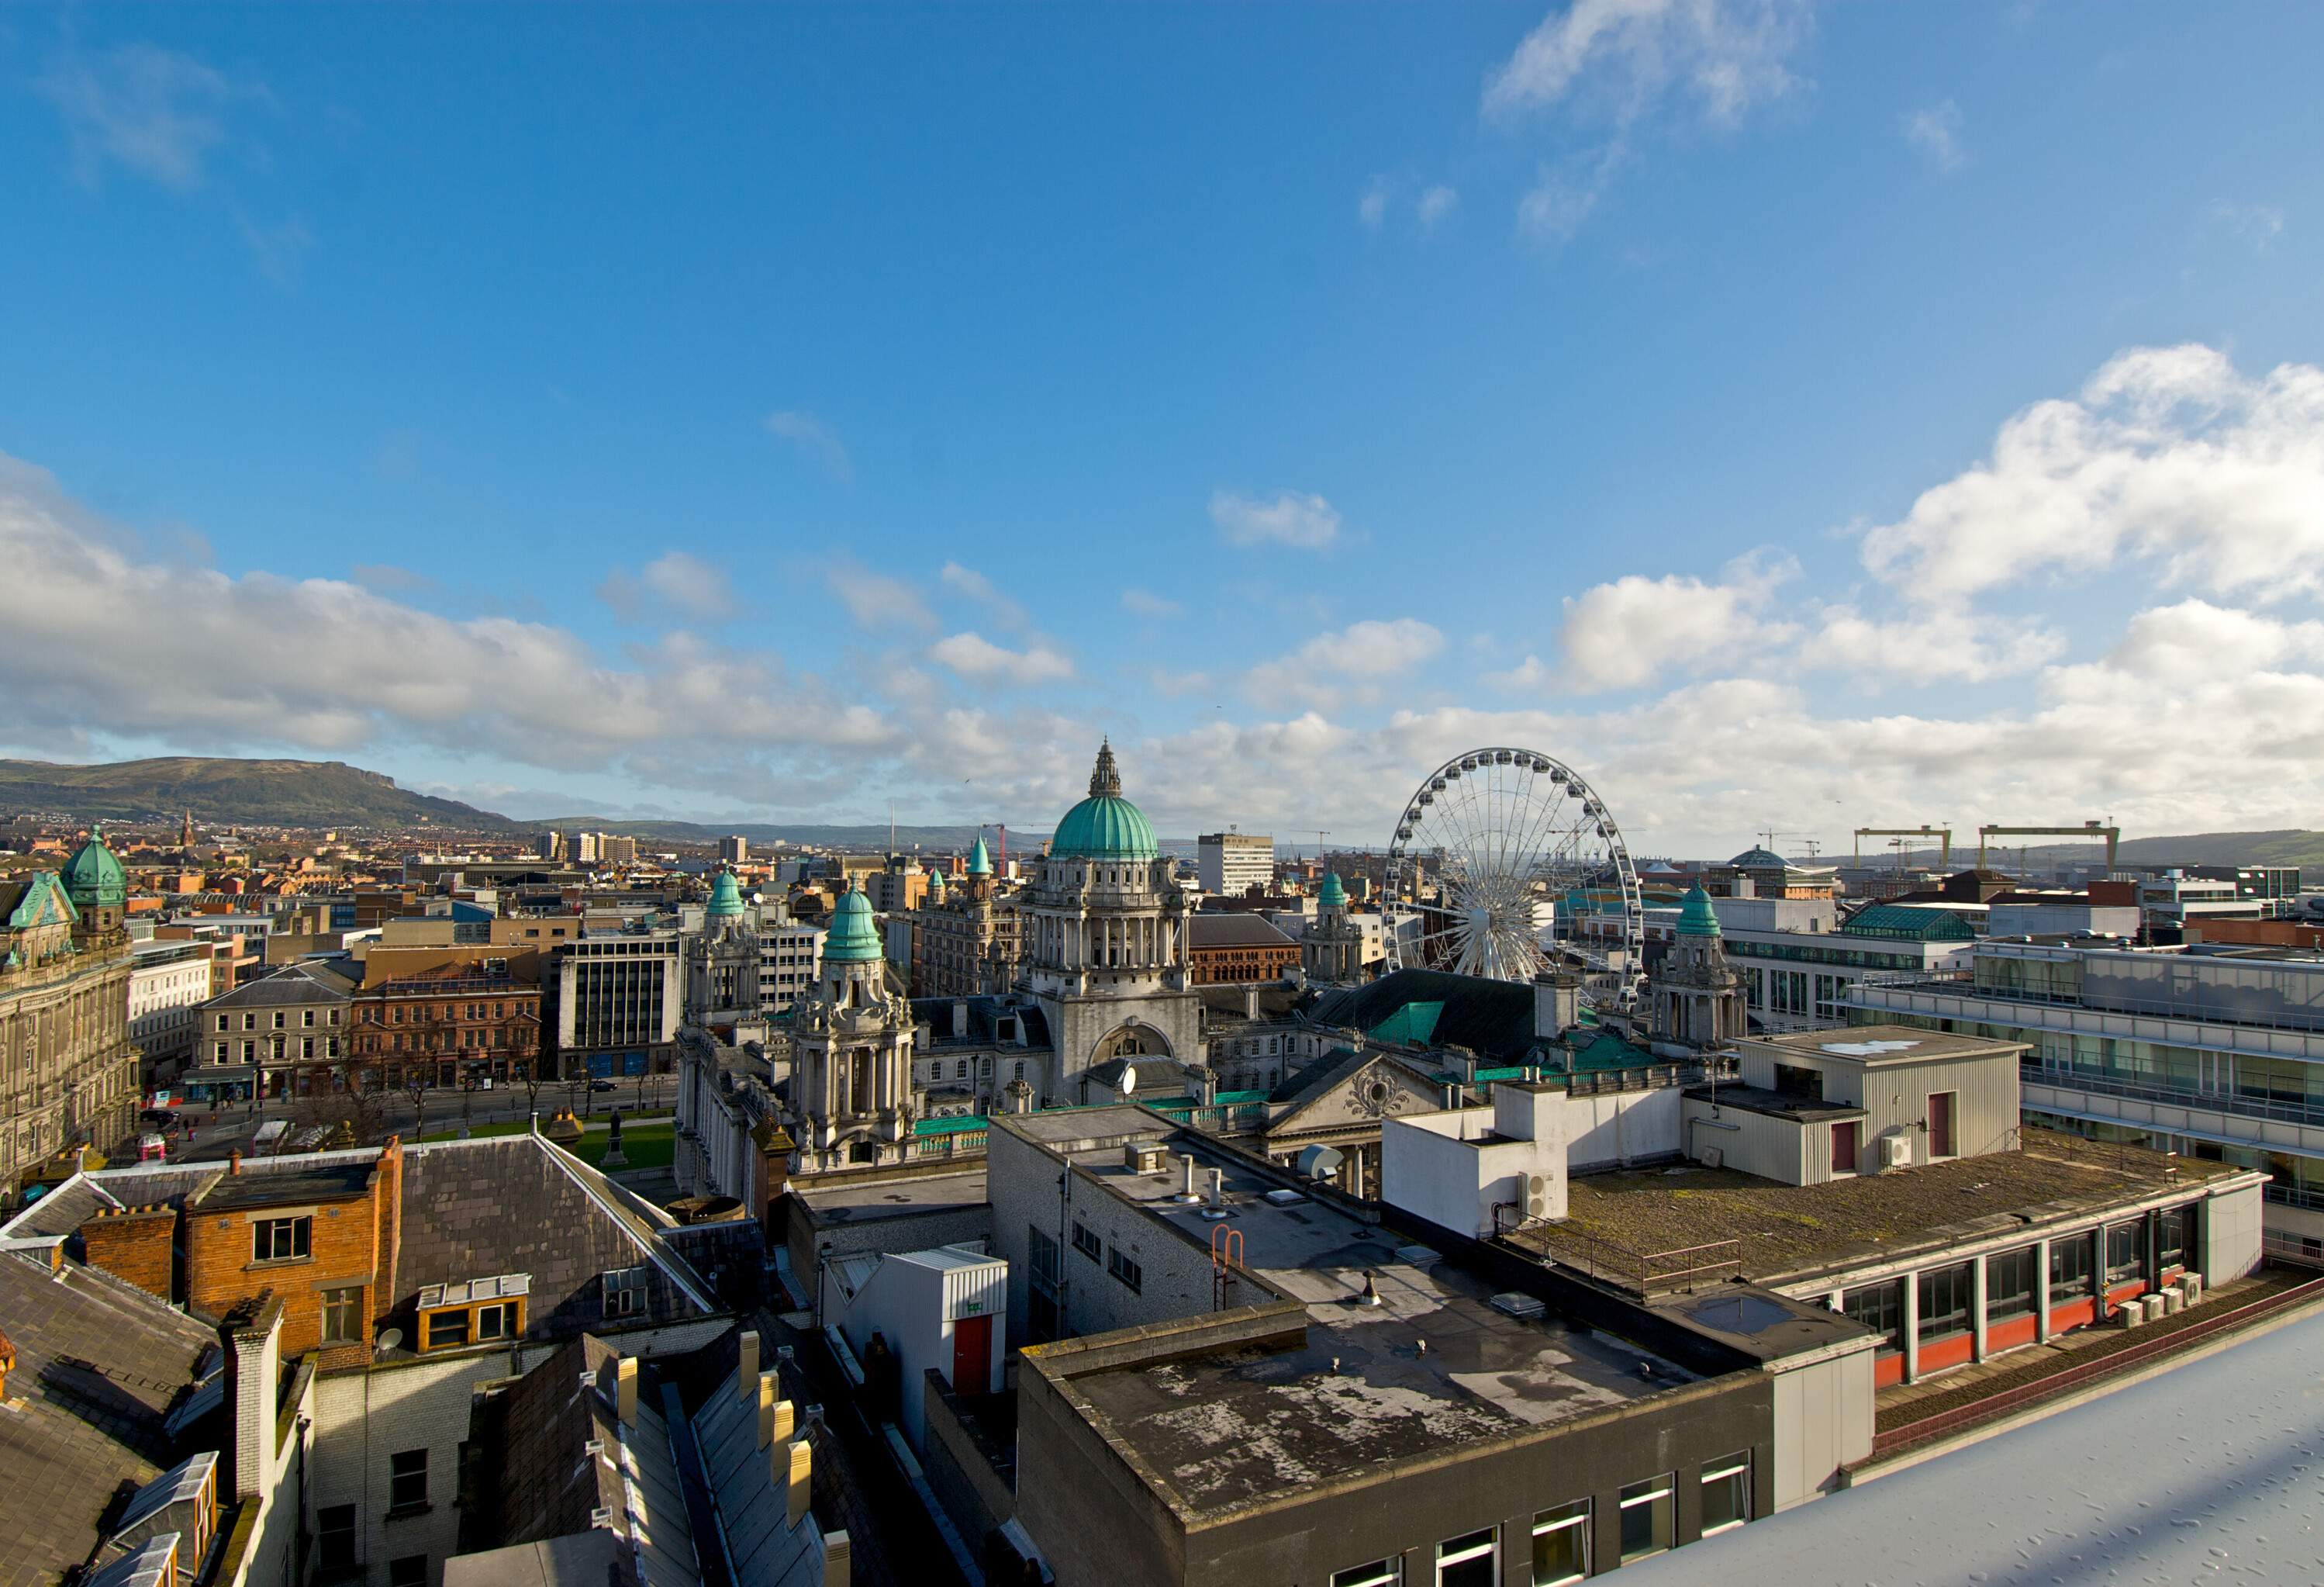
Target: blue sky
[1789, 414]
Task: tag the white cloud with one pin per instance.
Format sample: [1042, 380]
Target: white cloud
[155, 112]
[1935, 131]
[1305, 523]
[1429, 203]
[1622, 636]
[1351, 662]
[1728, 56]
[968, 582]
[2256, 225]
[814, 437]
[2169, 454]
[1531, 676]
[691, 584]
[976, 657]
[1939, 643]
[1146, 604]
[876, 600]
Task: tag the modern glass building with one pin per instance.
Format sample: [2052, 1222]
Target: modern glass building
[2216, 1054]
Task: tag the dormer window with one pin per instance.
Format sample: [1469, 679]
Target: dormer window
[475, 1311]
[623, 1293]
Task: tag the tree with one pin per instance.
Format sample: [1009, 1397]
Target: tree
[351, 1114]
[415, 1084]
[532, 1083]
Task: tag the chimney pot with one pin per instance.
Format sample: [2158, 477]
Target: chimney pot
[234, 1162]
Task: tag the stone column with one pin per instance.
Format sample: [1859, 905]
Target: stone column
[1977, 1305]
[2041, 1291]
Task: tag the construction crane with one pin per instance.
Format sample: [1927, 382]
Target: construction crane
[2104, 829]
[1943, 835]
[1815, 845]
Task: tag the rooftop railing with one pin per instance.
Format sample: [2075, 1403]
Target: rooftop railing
[2240, 1104]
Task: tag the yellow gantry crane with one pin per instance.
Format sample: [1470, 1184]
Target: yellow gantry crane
[2106, 830]
[1943, 835]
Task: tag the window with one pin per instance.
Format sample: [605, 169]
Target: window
[1125, 1269]
[447, 1330]
[623, 1294]
[2070, 1266]
[1879, 1308]
[1726, 1493]
[1645, 1518]
[496, 1321]
[2125, 1252]
[1469, 1561]
[2172, 1229]
[1561, 1544]
[307, 1018]
[223, 1021]
[343, 1315]
[278, 1019]
[279, 1239]
[335, 1537]
[410, 1571]
[1380, 1573]
[2009, 1284]
[1944, 1301]
[407, 1480]
[1086, 1241]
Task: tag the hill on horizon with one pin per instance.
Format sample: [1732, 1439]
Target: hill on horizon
[237, 792]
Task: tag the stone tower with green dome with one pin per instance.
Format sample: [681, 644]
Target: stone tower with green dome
[99, 887]
[722, 962]
[1105, 947]
[1332, 948]
[852, 1046]
[1696, 996]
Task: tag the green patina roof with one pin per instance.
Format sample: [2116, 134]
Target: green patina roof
[1898, 922]
[1696, 917]
[1104, 825]
[1412, 1024]
[725, 896]
[854, 938]
[44, 902]
[959, 1126]
[1335, 896]
[979, 858]
[94, 877]
[936, 887]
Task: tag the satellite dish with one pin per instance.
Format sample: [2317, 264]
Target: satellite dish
[1128, 1078]
[391, 1338]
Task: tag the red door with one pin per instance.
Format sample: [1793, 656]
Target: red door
[972, 1355]
[1941, 1124]
[1843, 1145]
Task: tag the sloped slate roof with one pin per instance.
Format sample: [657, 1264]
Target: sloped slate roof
[1493, 1019]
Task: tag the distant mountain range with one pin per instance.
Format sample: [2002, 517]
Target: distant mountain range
[316, 794]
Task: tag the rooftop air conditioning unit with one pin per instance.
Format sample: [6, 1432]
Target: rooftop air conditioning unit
[1537, 1195]
[1896, 1151]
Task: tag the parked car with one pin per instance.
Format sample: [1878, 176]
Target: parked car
[602, 1086]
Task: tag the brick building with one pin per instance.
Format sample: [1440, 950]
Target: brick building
[451, 1024]
[285, 1031]
[1237, 947]
[965, 938]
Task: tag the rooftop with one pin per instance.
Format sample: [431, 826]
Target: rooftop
[891, 1197]
[99, 1365]
[289, 1186]
[1882, 1046]
[1788, 1231]
[1437, 1363]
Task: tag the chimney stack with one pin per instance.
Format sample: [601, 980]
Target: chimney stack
[251, 1335]
[234, 1162]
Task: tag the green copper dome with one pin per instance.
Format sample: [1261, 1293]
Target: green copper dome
[1335, 896]
[93, 877]
[936, 887]
[979, 858]
[1104, 825]
[854, 938]
[725, 896]
[1696, 917]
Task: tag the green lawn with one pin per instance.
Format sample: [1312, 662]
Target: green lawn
[647, 1146]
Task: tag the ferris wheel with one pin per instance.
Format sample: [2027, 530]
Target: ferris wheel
[1498, 853]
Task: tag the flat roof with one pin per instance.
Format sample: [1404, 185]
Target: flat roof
[1435, 1364]
[1873, 1046]
[1787, 1231]
[336, 1182]
[891, 1198]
